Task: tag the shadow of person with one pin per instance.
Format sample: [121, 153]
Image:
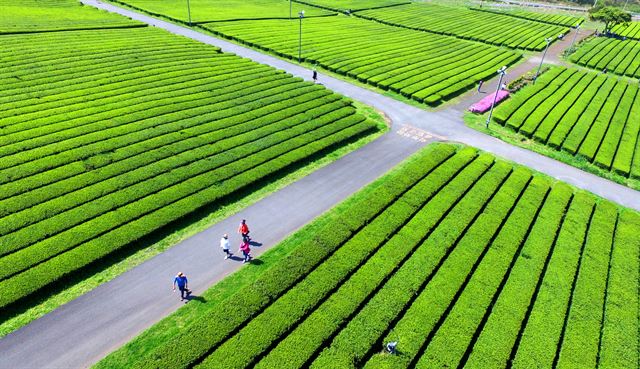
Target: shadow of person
[256, 262]
[254, 243]
[236, 258]
[196, 298]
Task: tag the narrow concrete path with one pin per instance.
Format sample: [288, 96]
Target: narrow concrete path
[85, 330]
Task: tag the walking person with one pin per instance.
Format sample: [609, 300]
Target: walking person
[315, 75]
[243, 229]
[224, 244]
[246, 250]
[183, 285]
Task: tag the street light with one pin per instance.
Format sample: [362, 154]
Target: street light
[301, 15]
[189, 11]
[548, 40]
[575, 35]
[502, 72]
[625, 5]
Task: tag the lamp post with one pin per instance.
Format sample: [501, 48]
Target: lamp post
[575, 35]
[548, 40]
[289, 9]
[301, 15]
[502, 72]
[189, 11]
[625, 5]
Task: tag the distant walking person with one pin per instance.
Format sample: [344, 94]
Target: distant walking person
[183, 285]
[315, 75]
[480, 85]
[224, 244]
[246, 250]
[243, 229]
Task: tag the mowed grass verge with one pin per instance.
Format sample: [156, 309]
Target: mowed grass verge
[110, 136]
[465, 259]
[585, 114]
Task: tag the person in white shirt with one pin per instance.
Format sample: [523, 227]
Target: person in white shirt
[224, 244]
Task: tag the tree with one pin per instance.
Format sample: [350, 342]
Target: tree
[609, 15]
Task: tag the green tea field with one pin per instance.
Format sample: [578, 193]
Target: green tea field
[463, 259]
[108, 136]
[548, 17]
[619, 57]
[55, 15]
[352, 5]
[586, 114]
[204, 11]
[421, 66]
[631, 30]
[492, 28]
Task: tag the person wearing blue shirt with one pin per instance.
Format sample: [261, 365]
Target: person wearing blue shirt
[181, 281]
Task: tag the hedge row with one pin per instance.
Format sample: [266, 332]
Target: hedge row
[493, 28]
[418, 325]
[43, 16]
[583, 113]
[621, 326]
[377, 251]
[477, 301]
[457, 241]
[150, 218]
[581, 339]
[204, 11]
[551, 18]
[41, 203]
[432, 68]
[150, 133]
[203, 164]
[499, 334]
[539, 338]
[214, 328]
[85, 175]
[461, 259]
[617, 56]
[103, 143]
[631, 30]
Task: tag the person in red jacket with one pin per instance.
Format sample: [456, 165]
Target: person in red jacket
[246, 250]
[243, 229]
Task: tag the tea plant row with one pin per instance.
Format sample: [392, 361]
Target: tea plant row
[463, 259]
[112, 136]
[586, 114]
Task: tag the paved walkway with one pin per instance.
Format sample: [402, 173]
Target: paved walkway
[81, 332]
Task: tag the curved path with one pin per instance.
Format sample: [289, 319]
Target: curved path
[83, 331]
